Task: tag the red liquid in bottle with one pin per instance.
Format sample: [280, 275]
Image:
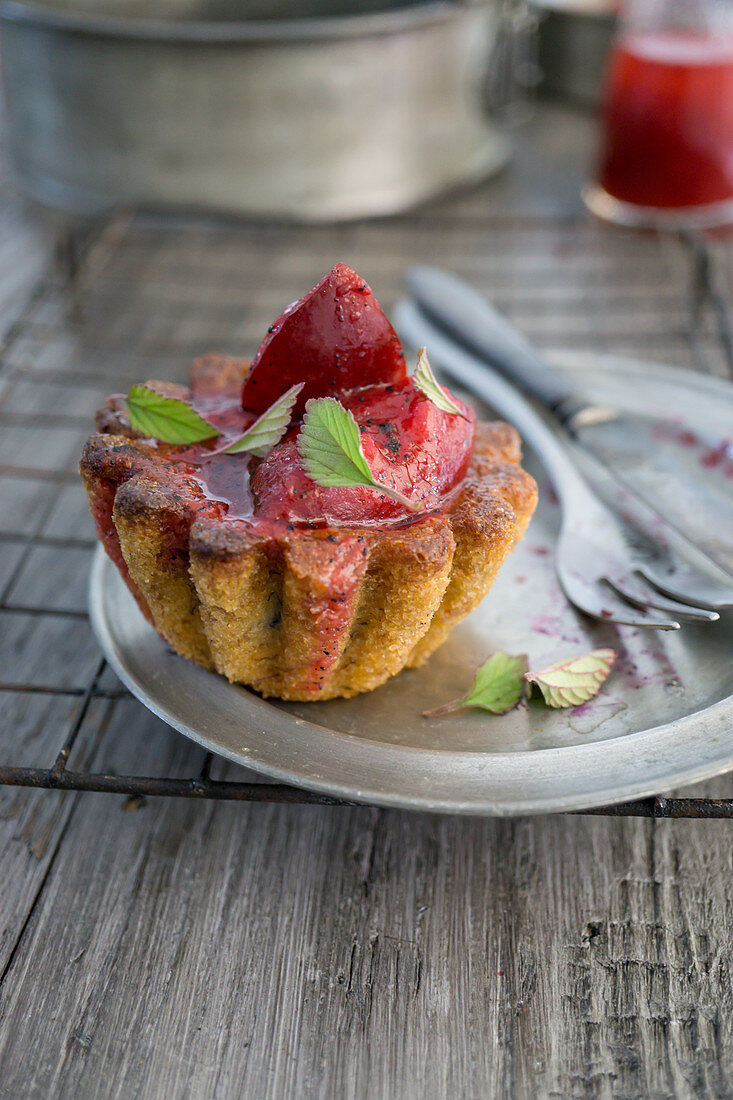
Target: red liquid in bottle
[669, 121]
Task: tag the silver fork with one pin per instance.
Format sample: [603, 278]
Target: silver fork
[600, 571]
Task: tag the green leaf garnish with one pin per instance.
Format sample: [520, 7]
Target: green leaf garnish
[498, 687]
[329, 444]
[573, 681]
[166, 418]
[500, 682]
[428, 384]
[269, 428]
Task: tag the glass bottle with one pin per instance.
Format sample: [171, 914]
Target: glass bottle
[666, 155]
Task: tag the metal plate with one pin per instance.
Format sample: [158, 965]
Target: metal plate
[664, 718]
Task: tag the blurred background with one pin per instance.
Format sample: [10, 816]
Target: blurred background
[312, 110]
[320, 111]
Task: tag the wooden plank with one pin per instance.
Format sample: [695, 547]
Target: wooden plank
[11, 558]
[37, 396]
[60, 450]
[24, 256]
[618, 292]
[228, 951]
[46, 651]
[68, 517]
[31, 822]
[24, 505]
[37, 584]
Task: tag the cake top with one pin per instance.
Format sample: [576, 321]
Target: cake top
[323, 426]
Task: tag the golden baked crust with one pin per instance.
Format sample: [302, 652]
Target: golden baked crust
[308, 613]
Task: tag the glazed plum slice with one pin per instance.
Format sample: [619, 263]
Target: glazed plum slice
[409, 443]
[334, 339]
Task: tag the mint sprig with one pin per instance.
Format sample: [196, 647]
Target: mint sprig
[502, 681]
[268, 429]
[498, 686]
[329, 444]
[166, 418]
[575, 680]
[428, 384]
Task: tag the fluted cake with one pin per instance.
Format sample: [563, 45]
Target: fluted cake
[302, 590]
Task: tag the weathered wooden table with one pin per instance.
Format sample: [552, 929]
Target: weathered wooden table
[181, 948]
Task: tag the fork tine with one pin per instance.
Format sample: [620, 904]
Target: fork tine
[704, 592]
[641, 596]
[622, 614]
[607, 607]
[642, 519]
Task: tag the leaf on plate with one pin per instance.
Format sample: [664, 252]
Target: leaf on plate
[498, 686]
[268, 429]
[166, 418]
[575, 680]
[428, 384]
[329, 444]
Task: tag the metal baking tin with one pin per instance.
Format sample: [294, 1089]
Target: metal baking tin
[314, 119]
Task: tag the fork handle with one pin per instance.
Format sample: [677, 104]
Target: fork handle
[470, 320]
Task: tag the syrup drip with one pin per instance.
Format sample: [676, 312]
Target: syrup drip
[224, 412]
[225, 478]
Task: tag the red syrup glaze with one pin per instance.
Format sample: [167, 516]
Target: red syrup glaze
[223, 478]
[341, 561]
[714, 454]
[409, 444]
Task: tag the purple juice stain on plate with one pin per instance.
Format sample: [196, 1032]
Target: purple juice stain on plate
[716, 454]
[719, 458]
[553, 627]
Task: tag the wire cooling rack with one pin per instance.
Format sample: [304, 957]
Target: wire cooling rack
[137, 786]
[94, 326]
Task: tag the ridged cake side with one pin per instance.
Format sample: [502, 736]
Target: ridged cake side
[318, 614]
[313, 613]
[489, 517]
